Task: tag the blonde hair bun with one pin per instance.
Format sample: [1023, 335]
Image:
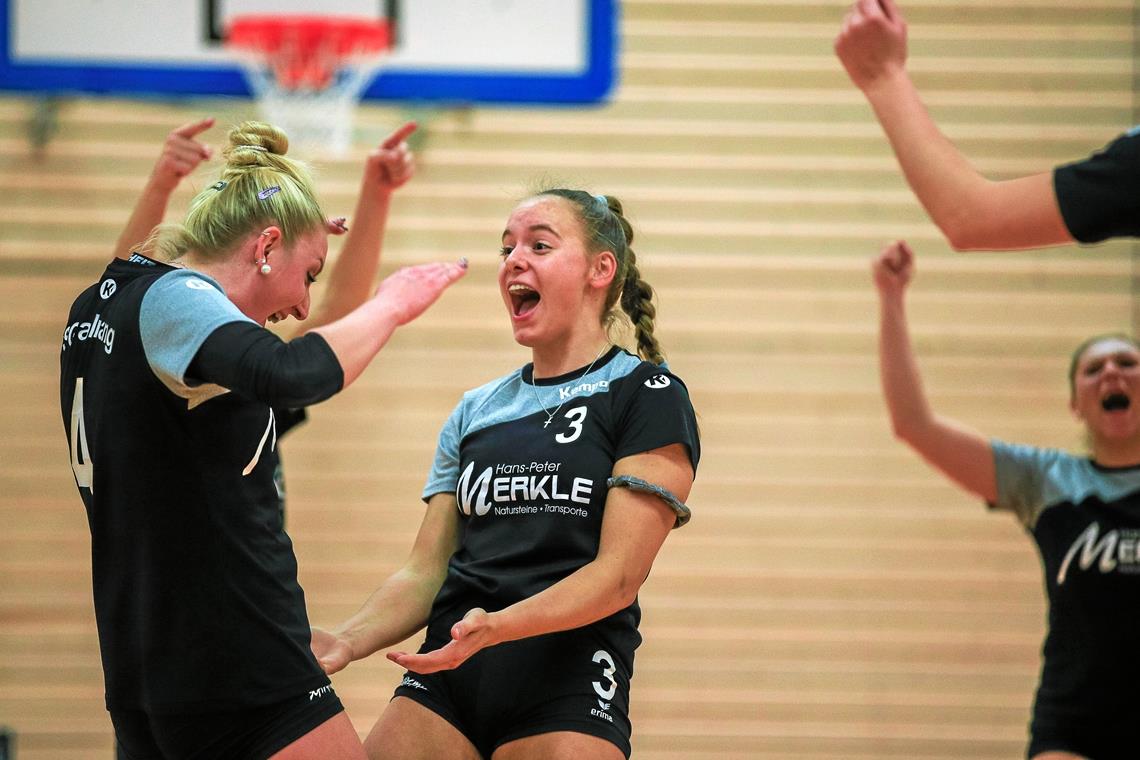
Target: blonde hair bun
[251, 141]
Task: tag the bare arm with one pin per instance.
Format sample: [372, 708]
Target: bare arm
[349, 282]
[972, 211]
[181, 154]
[633, 529]
[962, 454]
[401, 605]
[356, 338]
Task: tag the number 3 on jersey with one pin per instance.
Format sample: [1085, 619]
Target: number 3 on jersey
[85, 470]
[577, 416]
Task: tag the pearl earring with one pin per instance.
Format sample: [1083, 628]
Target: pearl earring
[265, 268]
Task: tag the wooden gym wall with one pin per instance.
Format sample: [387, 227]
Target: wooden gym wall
[832, 597]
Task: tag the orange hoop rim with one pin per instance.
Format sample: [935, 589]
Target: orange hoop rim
[346, 36]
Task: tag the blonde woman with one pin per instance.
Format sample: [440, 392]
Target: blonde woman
[168, 386]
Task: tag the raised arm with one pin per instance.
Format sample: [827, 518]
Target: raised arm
[633, 529]
[401, 605]
[357, 337]
[181, 154]
[972, 211]
[349, 282]
[962, 454]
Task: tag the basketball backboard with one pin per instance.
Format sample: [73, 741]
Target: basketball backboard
[450, 51]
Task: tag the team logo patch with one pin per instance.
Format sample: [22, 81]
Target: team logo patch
[199, 285]
[107, 289]
[657, 382]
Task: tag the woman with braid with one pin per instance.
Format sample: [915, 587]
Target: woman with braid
[551, 493]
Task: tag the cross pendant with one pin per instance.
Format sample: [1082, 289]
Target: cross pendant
[547, 423]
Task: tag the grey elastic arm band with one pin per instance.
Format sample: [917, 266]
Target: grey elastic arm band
[637, 484]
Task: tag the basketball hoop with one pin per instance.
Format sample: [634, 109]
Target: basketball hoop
[308, 72]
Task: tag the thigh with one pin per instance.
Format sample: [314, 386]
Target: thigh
[559, 745]
[1058, 755]
[408, 730]
[335, 739]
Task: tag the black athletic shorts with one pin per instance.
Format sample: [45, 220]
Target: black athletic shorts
[254, 733]
[1101, 737]
[564, 681]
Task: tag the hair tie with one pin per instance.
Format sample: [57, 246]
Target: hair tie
[252, 147]
[602, 200]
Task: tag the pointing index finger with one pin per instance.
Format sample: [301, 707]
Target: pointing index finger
[195, 127]
[890, 10]
[399, 135]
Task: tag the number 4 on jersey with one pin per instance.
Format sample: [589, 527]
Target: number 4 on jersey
[85, 470]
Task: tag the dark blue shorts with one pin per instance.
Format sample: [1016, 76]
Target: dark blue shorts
[564, 681]
[250, 734]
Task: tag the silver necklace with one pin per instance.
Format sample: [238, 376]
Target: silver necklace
[534, 388]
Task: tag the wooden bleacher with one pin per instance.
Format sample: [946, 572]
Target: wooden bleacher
[832, 597]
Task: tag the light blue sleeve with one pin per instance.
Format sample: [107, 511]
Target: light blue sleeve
[177, 314]
[1024, 478]
[444, 473]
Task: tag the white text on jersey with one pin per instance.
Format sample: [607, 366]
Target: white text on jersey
[97, 329]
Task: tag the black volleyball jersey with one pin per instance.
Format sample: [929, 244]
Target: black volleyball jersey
[1099, 196]
[195, 582]
[1085, 520]
[532, 495]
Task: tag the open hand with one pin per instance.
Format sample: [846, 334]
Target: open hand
[408, 292]
[468, 636]
[332, 652]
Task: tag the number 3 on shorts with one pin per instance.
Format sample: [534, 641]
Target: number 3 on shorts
[608, 669]
[85, 470]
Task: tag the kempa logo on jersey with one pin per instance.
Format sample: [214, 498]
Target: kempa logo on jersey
[520, 483]
[96, 329]
[1117, 549]
[565, 393]
[107, 289]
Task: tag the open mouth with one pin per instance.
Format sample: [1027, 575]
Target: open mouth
[1115, 402]
[524, 300]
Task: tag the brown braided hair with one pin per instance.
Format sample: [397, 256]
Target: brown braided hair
[607, 229]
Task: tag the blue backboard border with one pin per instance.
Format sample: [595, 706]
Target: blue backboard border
[591, 86]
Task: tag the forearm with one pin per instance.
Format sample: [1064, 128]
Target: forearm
[355, 339]
[898, 370]
[591, 593]
[961, 453]
[946, 183]
[147, 214]
[352, 278]
[395, 611]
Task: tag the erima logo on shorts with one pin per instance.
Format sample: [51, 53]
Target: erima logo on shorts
[657, 382]
[318, 693]
[412, 683]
